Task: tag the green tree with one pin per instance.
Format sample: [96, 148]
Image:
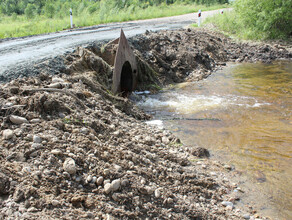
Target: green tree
[49, 10]
[273, 18]
[30, 11]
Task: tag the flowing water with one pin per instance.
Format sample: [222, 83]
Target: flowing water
[242, 114]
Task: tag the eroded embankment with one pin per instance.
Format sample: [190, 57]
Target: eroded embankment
[71, 149]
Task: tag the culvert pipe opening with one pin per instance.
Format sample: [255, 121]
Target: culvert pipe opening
[126, 81]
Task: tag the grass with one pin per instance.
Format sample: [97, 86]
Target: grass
[19, 26]
[233, 26]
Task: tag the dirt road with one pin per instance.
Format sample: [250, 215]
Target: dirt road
[20, 52]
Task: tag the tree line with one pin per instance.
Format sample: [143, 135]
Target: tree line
[59, 8]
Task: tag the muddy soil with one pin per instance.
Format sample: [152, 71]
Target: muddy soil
[72, 150]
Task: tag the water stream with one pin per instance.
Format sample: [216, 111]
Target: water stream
[242, 114]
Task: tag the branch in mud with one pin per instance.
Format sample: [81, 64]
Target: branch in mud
[123, 104]
[60, 91]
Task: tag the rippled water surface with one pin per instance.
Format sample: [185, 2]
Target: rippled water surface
[242, 114]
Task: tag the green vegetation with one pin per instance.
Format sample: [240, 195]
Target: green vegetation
[252, 19]
[29, 17]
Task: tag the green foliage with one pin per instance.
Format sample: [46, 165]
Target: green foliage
[30, 11]
[28, 17]
[251, 19]
[49, 10]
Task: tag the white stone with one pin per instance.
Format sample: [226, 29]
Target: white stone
[84, 131]
[57, 152]
[7, 134]
[157, 193]
[55, 202]
[18, 120]
[37, 139]
[107, 188]
[165, 140]
[99, 181]
[57, 79]
[35, 120]
[116, 184]
[56, 85]
[89, 178]
[69, 166]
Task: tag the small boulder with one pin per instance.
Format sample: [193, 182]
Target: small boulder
[7, 134]
[69, 166]
[18, 120]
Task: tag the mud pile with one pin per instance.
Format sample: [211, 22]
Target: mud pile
[71, 149]
[190, 54]
[67, 151]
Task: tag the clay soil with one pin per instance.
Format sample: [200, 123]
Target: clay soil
[72, 150]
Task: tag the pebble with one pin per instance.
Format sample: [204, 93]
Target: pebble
[69, 166]
[116, 184]
[56, 85]
[57, 80]
[32, 209]
[157, 193]
[165, 140]
[94, 178]
[18, 120]
[7, 134]
[99, 180]
[35, 120]
[89, 178]
[107, 188]
[125, 182]
[226, 203]
[57, 152]
[118, 168]
[55, 202]
[246, 216]
[37, 139]
[106, 172]
[84, 131]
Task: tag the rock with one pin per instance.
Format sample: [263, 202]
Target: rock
[56, 85]
[55, 202]
[69, 166]
[116, 184]
[84, 131]
[99, 181]
[4, 184]
[165, 140]
[57, 80]
[18, 195]
[18, 120]
[226, 203]
[125, 182]
[37, 139]
[118, 168]
[7, 134]
[35, 120]
[107, 188]
[200, 152]
[89, 178]
[57, 152]
[106, 172]
[246, 216]
[94, 178]
[157, 193]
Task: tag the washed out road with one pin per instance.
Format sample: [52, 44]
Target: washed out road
[17, 53]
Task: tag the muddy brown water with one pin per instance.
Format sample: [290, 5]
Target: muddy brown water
[242, 114]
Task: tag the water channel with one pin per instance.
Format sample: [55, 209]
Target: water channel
[244, 118]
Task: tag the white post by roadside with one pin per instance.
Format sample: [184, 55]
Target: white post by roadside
[71, 18]
[199, 17]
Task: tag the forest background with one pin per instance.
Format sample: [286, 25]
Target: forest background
[29, 17]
